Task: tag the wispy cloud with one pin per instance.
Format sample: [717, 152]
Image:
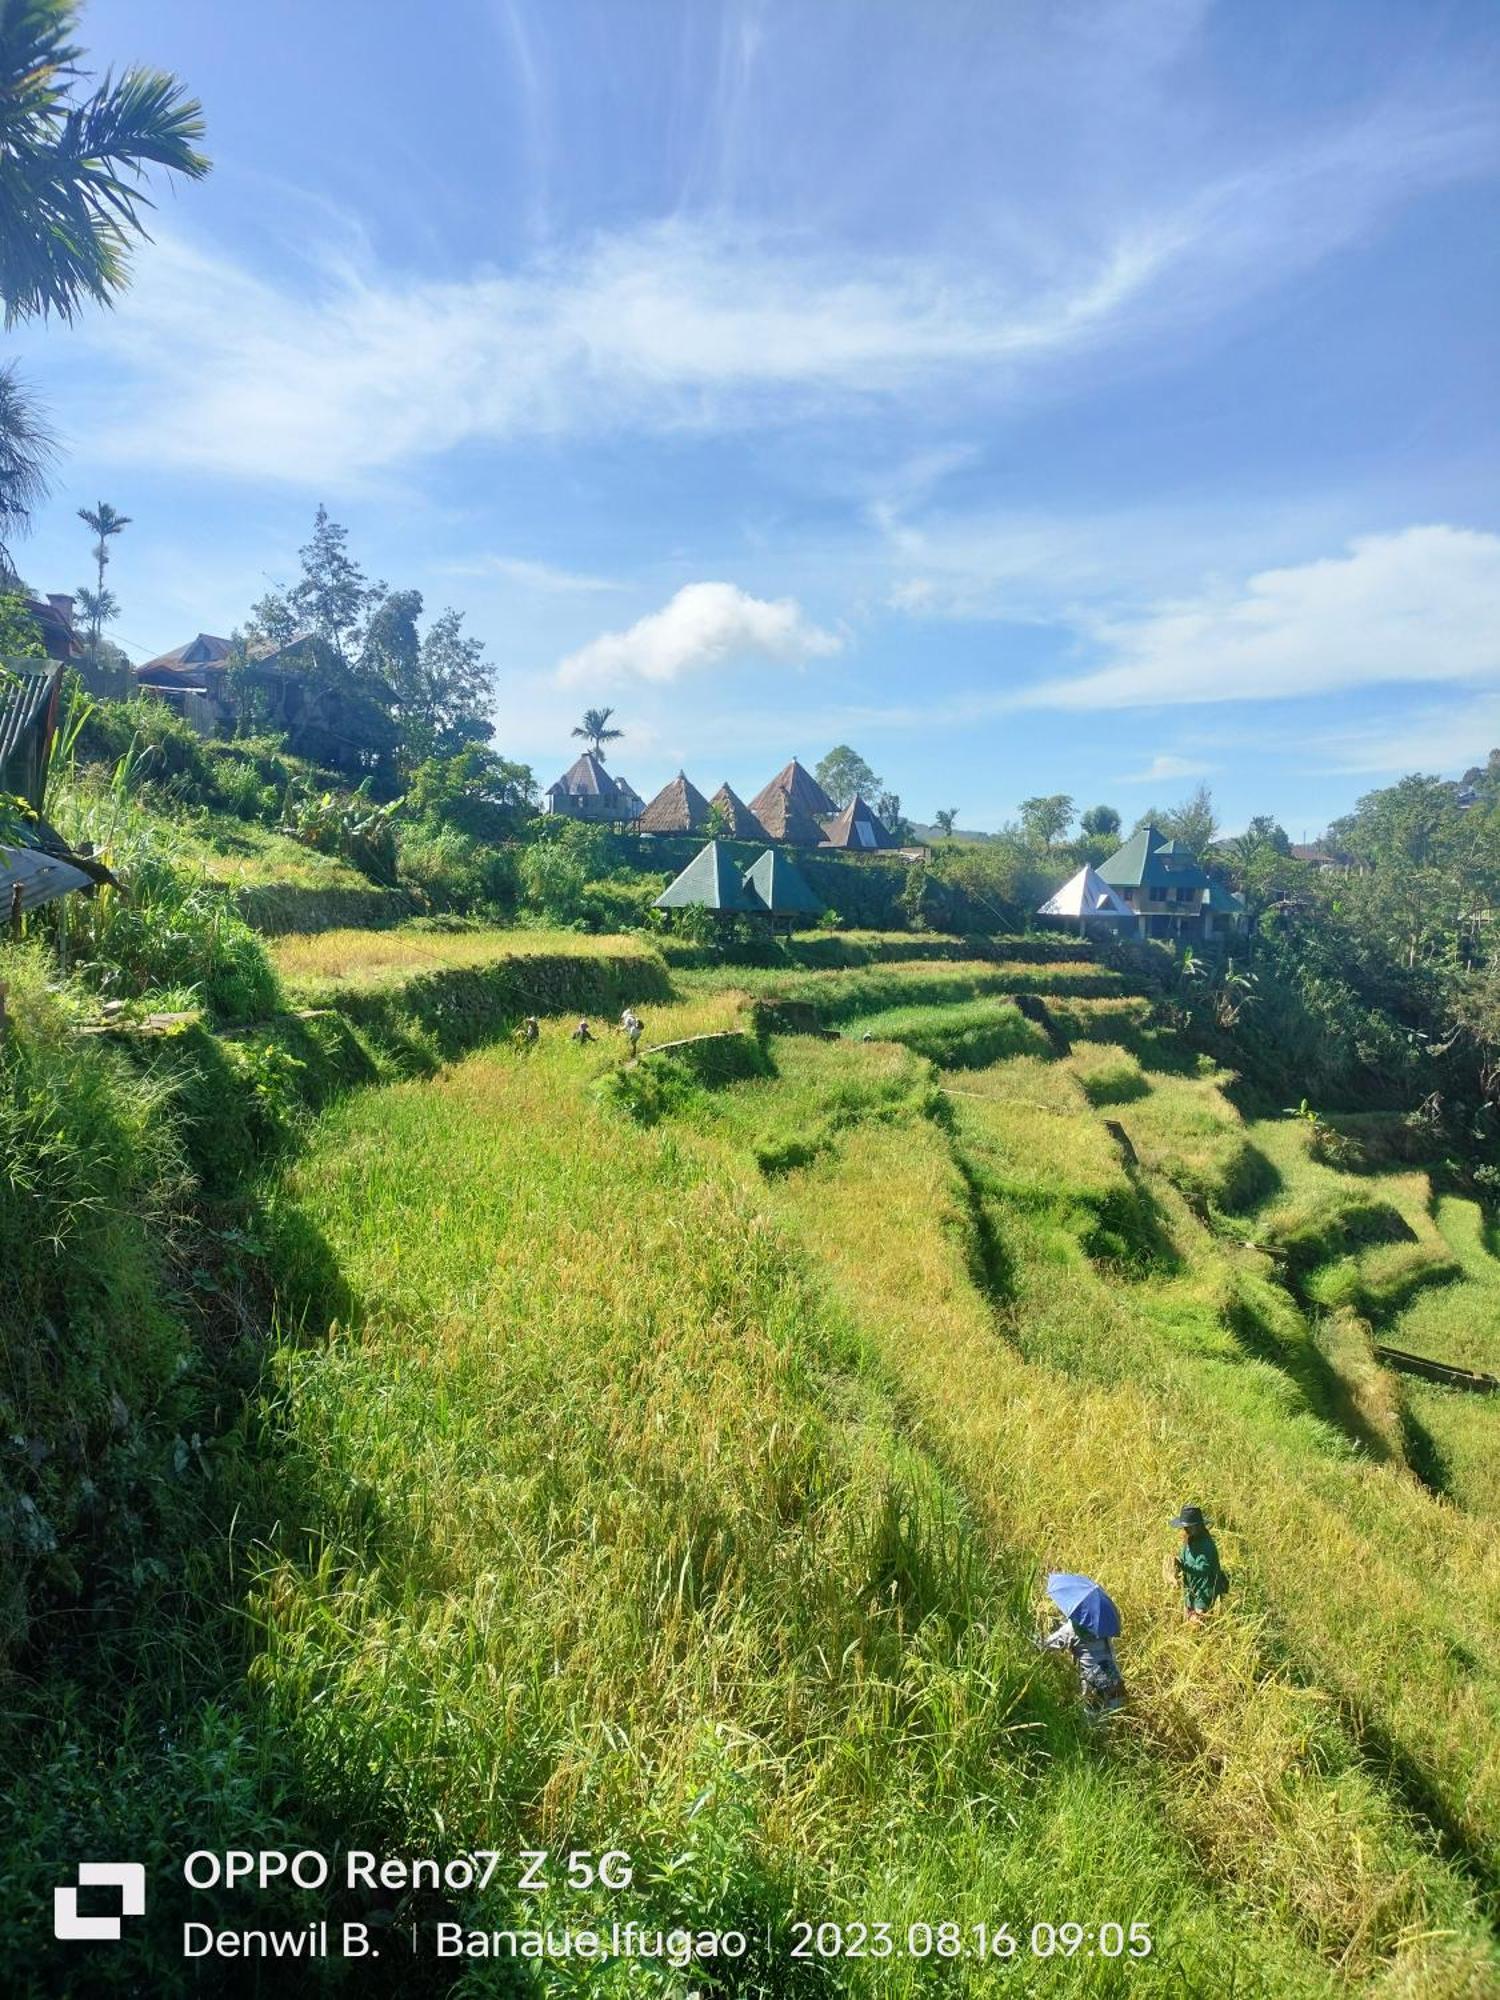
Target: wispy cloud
[540, 576]
[342, 369]
[1444, 739]
[705, 623]
[1162, 769]
[1419, 605]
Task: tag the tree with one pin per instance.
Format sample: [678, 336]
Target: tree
[596, 731]
[476, 792]
[329, 600]
[1101, 823]
[100, 608]
[945, 821]
[843, 772]
[71, 169]
[27, 448]
[1045, 819]
[20, 636]
[1193, 823]
[439, 686]
[456, 695]
[100, 605]
[888, 812]
[390, 654]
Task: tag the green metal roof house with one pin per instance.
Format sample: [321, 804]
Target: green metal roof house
[1169, 891]
[711, 881]
[771, 887]
[781, 887]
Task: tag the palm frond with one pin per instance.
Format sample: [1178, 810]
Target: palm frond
[71, 174]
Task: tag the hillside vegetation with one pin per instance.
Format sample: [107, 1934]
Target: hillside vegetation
[666, 1456]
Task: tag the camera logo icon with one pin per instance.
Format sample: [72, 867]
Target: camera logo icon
[129, 1877]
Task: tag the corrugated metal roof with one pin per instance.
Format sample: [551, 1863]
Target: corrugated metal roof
[1086, 894]
[781, 887]
[710, 882]
[41, 878]
[1148, 860]
[29, 698]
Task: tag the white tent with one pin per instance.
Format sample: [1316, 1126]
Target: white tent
[1087, 897]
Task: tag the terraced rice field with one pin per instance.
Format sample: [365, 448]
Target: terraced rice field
[683, 1443]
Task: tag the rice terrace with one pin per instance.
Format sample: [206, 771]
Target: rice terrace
[728, 1390]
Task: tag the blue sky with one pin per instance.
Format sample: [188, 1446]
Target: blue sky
[1085, 396]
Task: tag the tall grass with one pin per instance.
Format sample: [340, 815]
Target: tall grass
[665, 1456]
[616, 1537]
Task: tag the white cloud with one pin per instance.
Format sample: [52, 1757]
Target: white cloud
[538, 576]
[702, 625]
[1163, 768]
[341, 369]
[1422, 604]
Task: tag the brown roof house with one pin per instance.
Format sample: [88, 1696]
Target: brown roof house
[857, 827]
[191, 679]
[677, 808]
[587, 791]
[793, 806]
[54, 621]
[329, 714]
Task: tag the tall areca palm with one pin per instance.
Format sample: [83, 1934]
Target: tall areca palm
[596, 730]
[99, 604]
[26, 449]
[71, 170]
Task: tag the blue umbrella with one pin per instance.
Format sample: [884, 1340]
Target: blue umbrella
[1082, 1600]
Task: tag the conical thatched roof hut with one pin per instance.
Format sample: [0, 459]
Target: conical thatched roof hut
[677, 808]
[739, 822]
[792, 807]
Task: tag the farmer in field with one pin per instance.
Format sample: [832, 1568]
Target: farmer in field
[1198, 1567]
[1089, 1627]
[582, 1033]
[529, 1033]
[633, 1026]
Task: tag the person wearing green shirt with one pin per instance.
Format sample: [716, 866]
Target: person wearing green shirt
[1198, 1565]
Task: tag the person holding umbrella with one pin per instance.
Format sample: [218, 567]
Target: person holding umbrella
[1198, 1566]
[1090, 1623]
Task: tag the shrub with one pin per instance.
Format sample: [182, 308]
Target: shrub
[348, 825]
[159, 926]
[149, 748]
[451, 872]
[553, 878]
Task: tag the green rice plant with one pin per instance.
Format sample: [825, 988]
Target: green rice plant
[956, 1036]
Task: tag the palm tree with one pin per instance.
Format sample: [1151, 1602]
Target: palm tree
[596, 730]
[100, 608]
[99, 605]
[26, 447]
[71, 199]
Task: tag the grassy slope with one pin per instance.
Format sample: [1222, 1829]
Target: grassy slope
[811, 1429]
